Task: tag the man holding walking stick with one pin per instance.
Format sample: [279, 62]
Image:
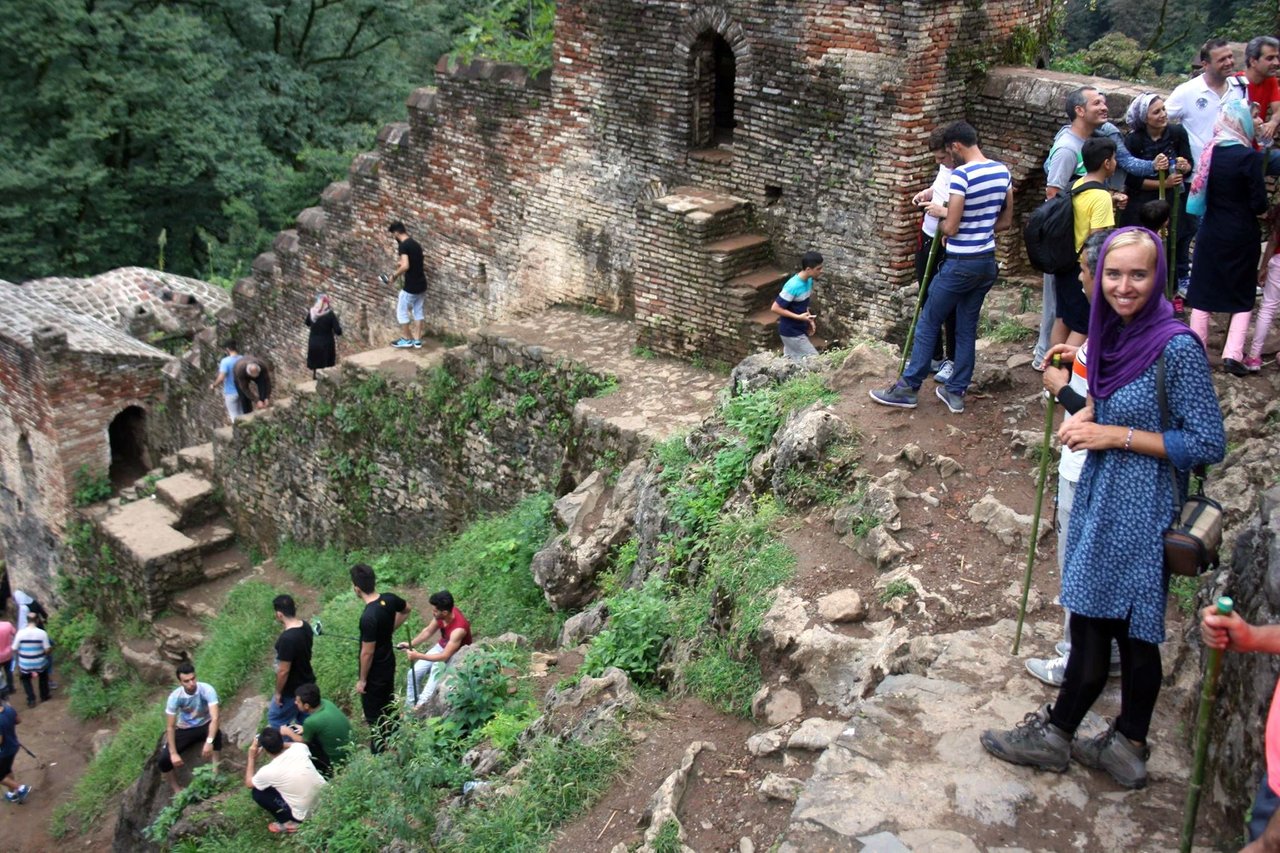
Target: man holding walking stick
[980, 203]
[1231, 633]
[450, 631]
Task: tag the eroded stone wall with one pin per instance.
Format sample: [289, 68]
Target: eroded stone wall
[392, 456]
[524, 192]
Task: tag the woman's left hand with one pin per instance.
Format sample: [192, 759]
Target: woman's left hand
[1079, 434]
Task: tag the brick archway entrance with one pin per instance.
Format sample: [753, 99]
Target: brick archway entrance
[127, 435]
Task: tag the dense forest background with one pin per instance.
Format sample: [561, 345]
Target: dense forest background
[183, 134]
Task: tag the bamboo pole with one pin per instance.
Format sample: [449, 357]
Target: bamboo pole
[1035, 519]
[924, 287]
[1208, 694]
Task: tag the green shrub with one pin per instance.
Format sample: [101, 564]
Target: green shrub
[668, 839]
[204, 784]
[91, 486]
[639, 623]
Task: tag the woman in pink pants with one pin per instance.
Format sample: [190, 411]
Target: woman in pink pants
[1229, 193]
[1269, 278]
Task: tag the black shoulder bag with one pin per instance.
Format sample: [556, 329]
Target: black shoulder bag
[1192, 540]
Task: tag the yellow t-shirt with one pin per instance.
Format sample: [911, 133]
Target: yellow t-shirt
[1092, 210]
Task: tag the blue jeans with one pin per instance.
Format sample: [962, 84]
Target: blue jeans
[961, 285]
[1264, 806]
[284, 713]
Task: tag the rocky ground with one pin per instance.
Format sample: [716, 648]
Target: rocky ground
[885, 656]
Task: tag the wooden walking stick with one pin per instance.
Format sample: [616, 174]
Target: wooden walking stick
[1208, 694]
[924, 287]
[1035, 519]
[1161, 174]
[413, 664]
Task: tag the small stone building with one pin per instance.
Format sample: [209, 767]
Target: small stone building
[671, 167]
[89, 381]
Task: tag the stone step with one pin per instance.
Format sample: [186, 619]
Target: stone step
[191, 497]
[144, 532]
[739, 255]
[198, 459]
[228, 561]
[757, 289]
[178, 636]
[212, 536]
[148, 660]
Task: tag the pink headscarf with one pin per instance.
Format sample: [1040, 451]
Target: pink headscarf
[1234, 126]
[321, 307]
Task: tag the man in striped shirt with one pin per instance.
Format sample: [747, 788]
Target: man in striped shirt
[980, 204]
[33, 650]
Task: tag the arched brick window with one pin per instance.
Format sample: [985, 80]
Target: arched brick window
[718, 68]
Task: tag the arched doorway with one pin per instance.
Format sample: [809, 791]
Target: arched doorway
[715, 78]
[128, 437]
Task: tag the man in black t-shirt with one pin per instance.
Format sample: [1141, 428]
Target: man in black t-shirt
[383, 614]
[293, 662]
[413, 292]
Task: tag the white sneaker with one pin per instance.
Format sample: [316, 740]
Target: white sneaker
[1051, 671]
[945, 370]
[1063, 648]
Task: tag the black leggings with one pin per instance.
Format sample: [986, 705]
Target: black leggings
[1086, 676]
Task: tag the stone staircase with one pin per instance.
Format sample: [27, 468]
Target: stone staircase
[709, 267]
[177, 547]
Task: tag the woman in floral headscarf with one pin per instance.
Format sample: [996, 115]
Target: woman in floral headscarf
[322, 348]
[1229, 194]
[1150, 135]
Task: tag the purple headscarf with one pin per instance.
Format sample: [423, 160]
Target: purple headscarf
[1120, 352]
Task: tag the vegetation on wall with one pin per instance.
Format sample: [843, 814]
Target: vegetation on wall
[519, 31]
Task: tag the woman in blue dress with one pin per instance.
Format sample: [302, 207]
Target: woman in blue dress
[1113, 581]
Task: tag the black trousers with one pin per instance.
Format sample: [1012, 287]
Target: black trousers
[184, 738]
[43, 676]
[1086, 676]
[946, 346]
[270, 799]
[378, 704]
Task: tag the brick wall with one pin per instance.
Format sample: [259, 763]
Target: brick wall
[524, 193]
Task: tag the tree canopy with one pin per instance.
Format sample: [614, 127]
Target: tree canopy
[211, 121]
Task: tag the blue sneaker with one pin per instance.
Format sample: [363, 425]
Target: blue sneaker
[954, 401]
[403, 343]
[944, 371]
[21, 794]
[417, 344]
[900, 395]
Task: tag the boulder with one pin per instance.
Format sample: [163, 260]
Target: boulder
[778, 787]
[816, 734]
[868, 361]
[804, 441]
[785, 620]
[99, 741]
[581, 501]
[762, 370]
[843, 605]
[766, 743]
[242, 726]
[664, 804]
[146, 659]
[877, 546]
[439, 705]
[1010, 527]
[607, 698]
[566, 568]
[774, 706]
[581, 627]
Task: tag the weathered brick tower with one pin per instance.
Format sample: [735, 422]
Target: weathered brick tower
[671, 166]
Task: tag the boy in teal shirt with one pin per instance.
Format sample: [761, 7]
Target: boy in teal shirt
[795, 320]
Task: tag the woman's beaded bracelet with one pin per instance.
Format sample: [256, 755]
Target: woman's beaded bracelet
[1128, 439]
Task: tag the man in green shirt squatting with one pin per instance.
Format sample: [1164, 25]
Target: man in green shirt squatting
[326, 730]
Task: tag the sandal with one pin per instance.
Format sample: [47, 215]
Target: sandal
[277, 828]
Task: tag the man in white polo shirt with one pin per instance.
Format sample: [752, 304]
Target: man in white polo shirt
[1196, 102]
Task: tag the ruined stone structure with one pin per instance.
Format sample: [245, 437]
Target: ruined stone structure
[791, 125]
[85, 385]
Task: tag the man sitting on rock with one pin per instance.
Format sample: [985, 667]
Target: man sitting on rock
[325, 729]
[191, 714]
[451, 631]
[288, 785]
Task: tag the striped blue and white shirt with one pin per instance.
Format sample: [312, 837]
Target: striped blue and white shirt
[983, 186]
[32, 647]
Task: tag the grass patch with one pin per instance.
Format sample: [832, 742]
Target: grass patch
[1184, 591]
[238, 638]
[486, 567]
[895, 589]
[1007, 331]
[668, 839]
[560, 781]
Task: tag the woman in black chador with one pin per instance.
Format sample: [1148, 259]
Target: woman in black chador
[322, 348]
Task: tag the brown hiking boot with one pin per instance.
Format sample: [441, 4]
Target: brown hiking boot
[1035, 742]
[1111, 751]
